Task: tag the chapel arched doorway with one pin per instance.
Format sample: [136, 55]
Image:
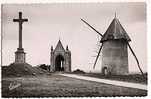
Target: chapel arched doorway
[59, 63]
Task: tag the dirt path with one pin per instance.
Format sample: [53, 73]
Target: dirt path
[112, 82]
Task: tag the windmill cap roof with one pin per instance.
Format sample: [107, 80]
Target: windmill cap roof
[115, 31]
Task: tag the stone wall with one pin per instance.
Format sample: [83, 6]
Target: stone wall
[68, 62]
[115, 57]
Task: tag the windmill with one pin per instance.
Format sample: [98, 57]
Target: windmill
[114, 45]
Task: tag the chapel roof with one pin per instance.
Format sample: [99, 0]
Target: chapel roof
[59, 46]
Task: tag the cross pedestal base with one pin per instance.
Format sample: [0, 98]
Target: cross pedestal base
[20, 56]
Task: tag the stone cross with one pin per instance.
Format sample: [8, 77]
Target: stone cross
[20, 20]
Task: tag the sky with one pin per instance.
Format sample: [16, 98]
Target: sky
[47, 23]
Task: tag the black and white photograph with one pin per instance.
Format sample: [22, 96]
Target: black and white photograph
[74, 50]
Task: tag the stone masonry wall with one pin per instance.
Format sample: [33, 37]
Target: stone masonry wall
[115, 56]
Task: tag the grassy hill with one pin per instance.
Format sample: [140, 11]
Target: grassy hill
[21, 70]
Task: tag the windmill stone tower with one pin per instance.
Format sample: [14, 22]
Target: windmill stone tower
[114, 49]
[60, 58]
[114, 43]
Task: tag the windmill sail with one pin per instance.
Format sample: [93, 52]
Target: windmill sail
[92, 27]
[97, 56]
[136, 59]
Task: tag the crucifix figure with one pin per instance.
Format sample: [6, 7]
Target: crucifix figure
[20, 54]
[20, 20]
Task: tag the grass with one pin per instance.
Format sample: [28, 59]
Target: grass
[59, 86]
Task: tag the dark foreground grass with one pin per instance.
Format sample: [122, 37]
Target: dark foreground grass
[60, 86]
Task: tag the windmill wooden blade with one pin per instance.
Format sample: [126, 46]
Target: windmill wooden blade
[92, 27]
[97, 56]
[136, 60]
